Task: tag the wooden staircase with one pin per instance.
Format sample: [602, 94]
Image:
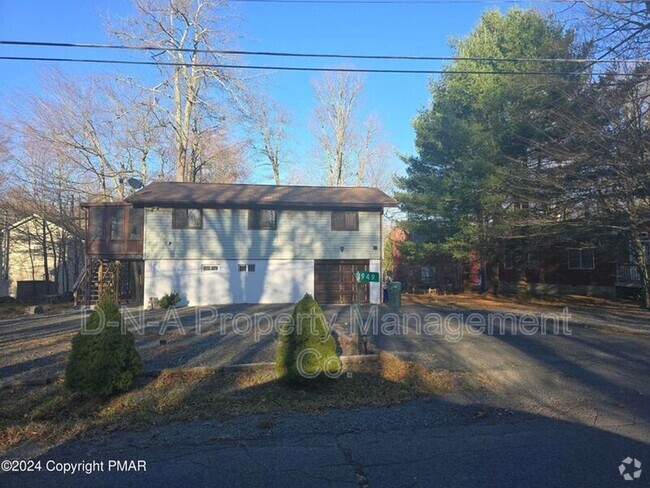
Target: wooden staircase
[99, 279]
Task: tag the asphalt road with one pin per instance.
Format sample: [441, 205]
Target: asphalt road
[555, 410]
[422, 443]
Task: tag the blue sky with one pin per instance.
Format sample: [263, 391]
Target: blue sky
[394, 29]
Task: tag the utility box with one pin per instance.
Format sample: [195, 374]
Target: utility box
[395, 294]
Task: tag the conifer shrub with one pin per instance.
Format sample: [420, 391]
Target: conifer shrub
[169, 299]
[104, 360]
[306, 350]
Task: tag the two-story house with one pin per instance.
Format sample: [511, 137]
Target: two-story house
[236, 243]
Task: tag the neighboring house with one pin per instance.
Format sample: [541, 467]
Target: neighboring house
[230, 243]
[628, 277]
[39, 257]
[394, 265]
[605, 270]
[422, 271]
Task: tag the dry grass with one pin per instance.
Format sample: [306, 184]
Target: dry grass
[49, 415]
[476, 300]
[11, 311]
[16, 310]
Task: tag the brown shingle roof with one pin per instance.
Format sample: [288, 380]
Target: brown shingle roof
[175, 194]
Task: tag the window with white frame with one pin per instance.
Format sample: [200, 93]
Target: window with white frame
[508, 260]
[210, 267]
[246, 268]
[532, 260]
[583, 258]
[427, 274]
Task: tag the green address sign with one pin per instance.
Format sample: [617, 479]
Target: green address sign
[367, 277]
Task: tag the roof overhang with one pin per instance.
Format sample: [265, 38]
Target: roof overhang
[203, 195]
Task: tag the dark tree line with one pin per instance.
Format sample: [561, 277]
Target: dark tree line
[524, 160]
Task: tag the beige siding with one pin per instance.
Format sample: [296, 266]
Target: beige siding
[225, 235]
[26, 261]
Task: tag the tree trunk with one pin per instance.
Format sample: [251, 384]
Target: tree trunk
[522, 285]
[638, 251]
[494, 277]
[46, 267]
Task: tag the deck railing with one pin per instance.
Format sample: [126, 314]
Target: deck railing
[628, 273]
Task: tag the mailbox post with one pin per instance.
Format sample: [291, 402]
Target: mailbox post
[363, 277]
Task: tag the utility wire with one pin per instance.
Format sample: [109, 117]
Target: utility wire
[319, 55]
[423, 2]
[302, 68]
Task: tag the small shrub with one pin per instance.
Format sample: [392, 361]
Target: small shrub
[104, 363]
[169, 299]
[307, 330]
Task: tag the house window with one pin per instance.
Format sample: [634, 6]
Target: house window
[531, 260]
[136, 223]
[117, 223]
[251, 268]
[345, 220]
[262, 219]
[581, 258]
[508, 261]
[187, 218]
[96, 223]
[427, 274]
[210, 267]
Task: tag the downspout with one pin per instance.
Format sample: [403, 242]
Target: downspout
[88, 264]
[5, 248]
[142, 277]
[381, 256]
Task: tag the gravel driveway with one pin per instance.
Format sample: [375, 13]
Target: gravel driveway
[34, 348]
[37, 348]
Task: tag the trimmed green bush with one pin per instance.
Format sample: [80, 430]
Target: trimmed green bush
[106, 362]
[305, 348]
[169, 299]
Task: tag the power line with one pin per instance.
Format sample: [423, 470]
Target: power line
[423, 2]
[319, 55]
[302, 68]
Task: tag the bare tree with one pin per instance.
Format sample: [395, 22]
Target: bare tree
[589, 182]
[105, 136]
[354, 152]
[268, 121]
[186, 32]
[47, 188]
[69, 123]
[215, 158]
[609, 172]
[607, 145]
[5, 154]
[140, 138]
[372, 155]
[618, 29]
[336, 104]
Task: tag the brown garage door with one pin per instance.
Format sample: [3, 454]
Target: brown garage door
[334, 281]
